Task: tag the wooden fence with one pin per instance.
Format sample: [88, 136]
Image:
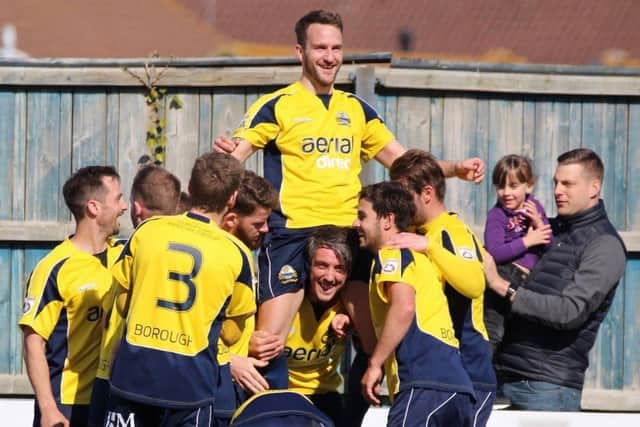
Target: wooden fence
[57, 116]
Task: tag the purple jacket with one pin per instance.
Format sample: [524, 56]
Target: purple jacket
[503, 233]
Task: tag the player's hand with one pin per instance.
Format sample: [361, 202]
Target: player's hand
[244, 372]
[371, 384]
[341, 323]
[53, 418]
[264, 345]
[471, 169]
[531, 212]
[412, 241]
[537, 236]
[224, 144]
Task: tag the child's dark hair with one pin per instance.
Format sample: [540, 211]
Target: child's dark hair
[518, 166]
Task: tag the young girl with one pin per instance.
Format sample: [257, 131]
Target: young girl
[516, 232]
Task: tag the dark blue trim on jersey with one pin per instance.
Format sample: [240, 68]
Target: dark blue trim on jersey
[51, 292]
[477, 248]
[266, 113]
[198, 217]
[325, 98]
[166, 379]
[406, 258]
[370, 113]
[426, 362]
[244, 276]
[57, 351]
[474, 349]
[272, 166]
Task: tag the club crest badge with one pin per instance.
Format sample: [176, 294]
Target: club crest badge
[287, 274]
[343, 119]
[28, 304]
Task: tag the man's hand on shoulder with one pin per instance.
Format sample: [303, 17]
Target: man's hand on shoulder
[412, 241]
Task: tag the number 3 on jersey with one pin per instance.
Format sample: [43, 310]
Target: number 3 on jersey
[186, 279]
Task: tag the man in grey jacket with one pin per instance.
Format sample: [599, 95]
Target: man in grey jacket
[558, 309]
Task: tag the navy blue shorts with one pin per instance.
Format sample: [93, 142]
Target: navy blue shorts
[284, 266]
[431, 408]
[226, 396]
[123, 412]
[77, 415]
[483, 407]
[98, 406]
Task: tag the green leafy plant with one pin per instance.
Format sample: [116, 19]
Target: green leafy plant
[156, 137]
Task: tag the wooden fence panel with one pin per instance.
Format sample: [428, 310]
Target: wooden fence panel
[89, 134]
[182, 128]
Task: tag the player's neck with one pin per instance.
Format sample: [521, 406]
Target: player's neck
[89, 238]
[434, 211]
[315, 87]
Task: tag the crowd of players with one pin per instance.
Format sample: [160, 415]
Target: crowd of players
[177, 326]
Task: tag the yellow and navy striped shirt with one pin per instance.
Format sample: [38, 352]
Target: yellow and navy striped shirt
[455, 252]
[428, 355]
[312, 152]
[313, 351]
[181, 272]
[64, 306]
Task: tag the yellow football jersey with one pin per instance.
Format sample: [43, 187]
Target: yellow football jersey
[313, 351]
[244, 297]
[181, 272]
[457, 256]
[312, 152]
[427, 356]
[63, 305]
[112, 321]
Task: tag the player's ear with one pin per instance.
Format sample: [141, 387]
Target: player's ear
[230, 222]
[299, 50]
[232, 200]
[92, 208]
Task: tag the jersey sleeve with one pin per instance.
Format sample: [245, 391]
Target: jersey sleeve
[396, 266]
[260, 126]
[243, 300]
[44, 302]
[376, 134]
[458, 256]
[122, 267]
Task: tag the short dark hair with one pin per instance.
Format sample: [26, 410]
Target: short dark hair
[86, 184]
[338, 239]
[254, 192]
[390, 197]
[419, 168]
[214, 179]
[157, 189]
[589, 160]
[519, 166]
[315, 17]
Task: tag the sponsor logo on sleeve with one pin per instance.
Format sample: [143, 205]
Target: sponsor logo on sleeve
[391, 266]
